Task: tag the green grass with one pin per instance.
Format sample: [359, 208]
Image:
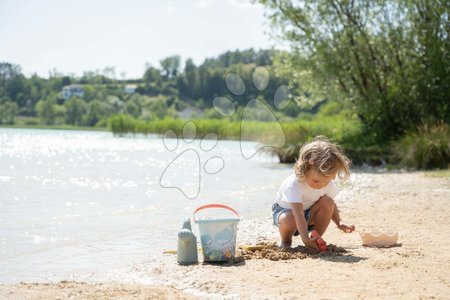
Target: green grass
[338, 128]
[437, 173]
[27, 122]
[427, 147]
[225, 129]
[56, 127]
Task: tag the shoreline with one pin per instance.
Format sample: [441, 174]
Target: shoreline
[411, 203]
[58, 127]
[73, 289]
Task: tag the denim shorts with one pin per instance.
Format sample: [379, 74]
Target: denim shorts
[277, 210]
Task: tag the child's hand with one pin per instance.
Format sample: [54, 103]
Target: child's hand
[311, 243]
[321, 244]
[346, 228]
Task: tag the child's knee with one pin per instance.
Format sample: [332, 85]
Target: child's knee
[326, 202]
[285, 220]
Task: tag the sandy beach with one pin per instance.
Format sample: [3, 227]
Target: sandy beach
[414, 204]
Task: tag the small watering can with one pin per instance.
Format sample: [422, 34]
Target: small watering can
[187, 244]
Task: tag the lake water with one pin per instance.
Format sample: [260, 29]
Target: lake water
[77, 204]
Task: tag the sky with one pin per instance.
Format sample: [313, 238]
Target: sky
[87, 35]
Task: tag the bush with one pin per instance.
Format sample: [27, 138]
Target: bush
[336, 127]
[426, 148]
[122, 124]
[27, 121]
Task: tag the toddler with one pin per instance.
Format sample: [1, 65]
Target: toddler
[304, 201]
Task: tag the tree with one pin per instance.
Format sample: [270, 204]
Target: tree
[109, 72]
[8, 112]
[170, 66]
[90, 92]
[152, 75]
[115, 104]
[132, 106]
[75, 109]
[15, 89]
[66, 81]
[391, 58]
[49, 111]
[188, 82]
[7, 71]
[94, 113]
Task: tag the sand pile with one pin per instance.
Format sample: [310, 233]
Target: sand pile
[273, 252]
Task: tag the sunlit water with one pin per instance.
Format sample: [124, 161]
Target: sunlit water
[79, 204]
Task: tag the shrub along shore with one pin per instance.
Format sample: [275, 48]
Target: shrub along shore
[426, 148]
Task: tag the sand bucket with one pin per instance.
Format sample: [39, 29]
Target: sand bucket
[217, 235]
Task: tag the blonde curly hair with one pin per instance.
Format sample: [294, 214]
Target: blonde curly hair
[323, 156]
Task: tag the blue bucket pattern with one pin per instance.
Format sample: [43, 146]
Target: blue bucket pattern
[217, 235]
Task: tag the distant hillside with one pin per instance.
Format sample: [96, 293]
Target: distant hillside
[167, 90]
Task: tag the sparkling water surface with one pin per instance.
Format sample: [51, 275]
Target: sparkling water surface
[75, 204]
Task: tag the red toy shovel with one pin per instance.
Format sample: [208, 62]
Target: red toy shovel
[319, 242]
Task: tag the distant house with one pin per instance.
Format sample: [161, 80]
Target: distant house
[130, 88]
[72, 90]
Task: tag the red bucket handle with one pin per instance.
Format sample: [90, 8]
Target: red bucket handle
[214, 205]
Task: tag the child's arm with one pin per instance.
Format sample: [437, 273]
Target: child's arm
[337, 220]
[299, 217]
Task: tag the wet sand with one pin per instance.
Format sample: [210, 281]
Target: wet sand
[418, 266]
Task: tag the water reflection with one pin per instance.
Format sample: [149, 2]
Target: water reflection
[77, 202]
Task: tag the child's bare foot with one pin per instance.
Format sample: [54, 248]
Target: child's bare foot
[284, 245]
[346, 228]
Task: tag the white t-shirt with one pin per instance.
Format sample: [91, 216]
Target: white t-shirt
[293, 191]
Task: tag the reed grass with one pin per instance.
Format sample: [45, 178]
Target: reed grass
[428, 147]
